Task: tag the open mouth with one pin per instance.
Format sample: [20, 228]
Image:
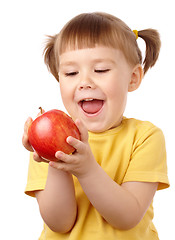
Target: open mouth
[91, 106]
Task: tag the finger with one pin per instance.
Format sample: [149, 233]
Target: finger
[38, 158]
[82, 129]
[59, 165]
[77, 144]
[27, 124]
[26, 144]
[63, 157]
[25, 139]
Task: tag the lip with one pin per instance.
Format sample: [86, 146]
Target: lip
[90, 114]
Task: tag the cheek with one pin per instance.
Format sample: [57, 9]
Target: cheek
[65, 94]
[117, 95]
[116, 90]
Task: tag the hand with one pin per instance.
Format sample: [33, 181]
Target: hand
[81, 162]
[25, 139]
[26, 143]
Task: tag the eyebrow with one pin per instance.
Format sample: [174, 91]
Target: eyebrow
[68, 63]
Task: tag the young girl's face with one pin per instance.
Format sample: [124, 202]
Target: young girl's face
[94, 85]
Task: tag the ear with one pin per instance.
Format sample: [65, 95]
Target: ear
[136, 78]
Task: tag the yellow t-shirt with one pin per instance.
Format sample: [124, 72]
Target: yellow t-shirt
[134, 151]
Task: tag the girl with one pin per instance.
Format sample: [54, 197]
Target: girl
[104, 190]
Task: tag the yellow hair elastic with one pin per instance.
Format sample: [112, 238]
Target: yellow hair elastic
[136, 33]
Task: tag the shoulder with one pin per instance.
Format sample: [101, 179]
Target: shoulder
[148, 155]
[138, 124]
[143, 132]
[141, 127]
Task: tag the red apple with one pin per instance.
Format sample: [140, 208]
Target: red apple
[48, 132]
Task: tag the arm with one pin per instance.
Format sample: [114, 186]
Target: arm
[57, 201]
[121, 206]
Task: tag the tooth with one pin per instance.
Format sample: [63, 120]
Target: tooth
[88, 99]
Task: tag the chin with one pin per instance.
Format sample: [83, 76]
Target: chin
[96, 127]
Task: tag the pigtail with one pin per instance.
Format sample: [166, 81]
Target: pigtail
[49, 56]
[153, 44]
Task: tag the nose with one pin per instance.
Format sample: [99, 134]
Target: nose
[86, 82]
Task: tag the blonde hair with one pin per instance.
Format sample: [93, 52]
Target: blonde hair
[88, 30]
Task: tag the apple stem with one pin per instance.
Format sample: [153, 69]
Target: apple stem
[41, 110]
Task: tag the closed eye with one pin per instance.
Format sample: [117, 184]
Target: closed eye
[101, 70]
[71, 74]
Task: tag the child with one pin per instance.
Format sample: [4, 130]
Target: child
[104, 190]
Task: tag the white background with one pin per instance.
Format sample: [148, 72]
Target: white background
[25, 84]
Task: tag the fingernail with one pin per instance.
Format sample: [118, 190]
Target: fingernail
[51, 163]
[58, 154]
[68, 139]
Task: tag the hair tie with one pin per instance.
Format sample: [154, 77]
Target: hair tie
[136, 33]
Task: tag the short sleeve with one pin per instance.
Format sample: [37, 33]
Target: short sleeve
[148, 159]
[37, 176]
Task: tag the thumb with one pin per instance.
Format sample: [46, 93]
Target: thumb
[83, 130]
